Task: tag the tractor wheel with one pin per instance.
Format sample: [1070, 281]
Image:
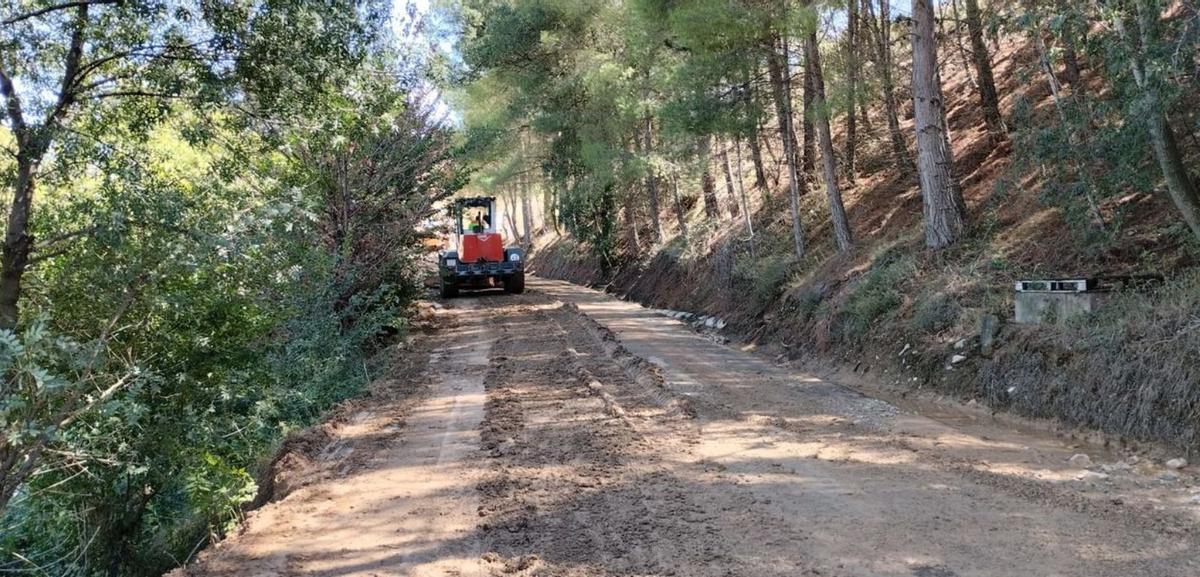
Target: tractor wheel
[515, 284]
[449, 291]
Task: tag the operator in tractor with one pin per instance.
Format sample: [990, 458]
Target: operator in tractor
[480, 223]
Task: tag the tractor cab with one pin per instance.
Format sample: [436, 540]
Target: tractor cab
[475, 230]
[479, 259]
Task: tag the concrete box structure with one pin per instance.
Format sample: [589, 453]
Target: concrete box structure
[1056, 301]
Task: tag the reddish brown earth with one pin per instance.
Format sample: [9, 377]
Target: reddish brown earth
[567, 433]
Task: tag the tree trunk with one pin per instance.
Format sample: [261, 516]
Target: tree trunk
[944, 211]
[1070, 57]
[652, 181]
[708, 186]
[629, 206]
[32, 144]
[1072, 136]
[679, 214]
[17, 241]
[756, 157]
[883, 58]
[837, 212]
[773, 161]
[958, 42]
[760, 173]
[733, 200]
[550, 198]
[851, 86]
[1180, 185]
[737, 143]
[513, 231]
[778, 68]
[809, 161]
[866, 51]
[864, 118]
[787, 127]
[635, 243]
[526, 217]
[983, 71]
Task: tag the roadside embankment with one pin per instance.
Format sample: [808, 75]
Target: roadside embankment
[1130, 371]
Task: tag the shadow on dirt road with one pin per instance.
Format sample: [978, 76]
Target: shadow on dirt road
[567, 433]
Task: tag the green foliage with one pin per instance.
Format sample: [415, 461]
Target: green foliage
[875, 295]
[936, 313]
[213, 277]
[763, 278]
[585, 77]
[1093, 145]
[805, 302]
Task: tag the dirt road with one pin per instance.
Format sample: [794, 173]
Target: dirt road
[564, 432]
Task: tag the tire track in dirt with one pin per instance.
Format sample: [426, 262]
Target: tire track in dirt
[587, 477]
[544, 445]
[883, 493]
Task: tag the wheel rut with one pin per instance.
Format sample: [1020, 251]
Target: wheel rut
[541, 442]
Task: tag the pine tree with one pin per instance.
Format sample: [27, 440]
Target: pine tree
[988, 100]
[837, 212]
[944, 211]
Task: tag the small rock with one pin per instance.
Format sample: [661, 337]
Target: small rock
[961, 344]
[1091, 476]
[721, 324]
[710, 322]
[1168, 477]
[1177, 463]
[989, 327]
[1080, 460]
[957, 359]
[1195, 499]
[972, 403]
[1118, 466]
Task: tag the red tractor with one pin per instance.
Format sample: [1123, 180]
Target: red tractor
[479, 259]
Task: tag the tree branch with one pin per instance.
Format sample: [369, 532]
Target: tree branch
[66, 93]
[55, 8]
[12, 105]
[131, 93]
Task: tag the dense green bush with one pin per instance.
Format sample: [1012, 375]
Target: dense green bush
[874, 295]
[763, 277]
[231, 291]
[936, 313]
